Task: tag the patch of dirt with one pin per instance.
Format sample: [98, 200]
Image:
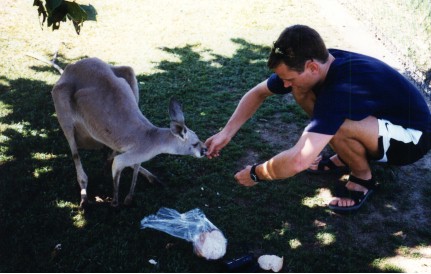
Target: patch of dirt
[414, 178]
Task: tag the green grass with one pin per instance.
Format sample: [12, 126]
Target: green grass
[208, 67]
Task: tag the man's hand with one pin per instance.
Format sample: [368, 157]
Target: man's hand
[243, 177]
[215, 143]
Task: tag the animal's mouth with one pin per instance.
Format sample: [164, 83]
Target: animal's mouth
[203, 152]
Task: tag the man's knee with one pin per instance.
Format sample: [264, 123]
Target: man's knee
[348, 130]
[364, 132]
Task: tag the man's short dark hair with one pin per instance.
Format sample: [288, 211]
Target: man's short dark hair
[296, 45]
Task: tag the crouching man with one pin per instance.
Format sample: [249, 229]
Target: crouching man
[362, 107]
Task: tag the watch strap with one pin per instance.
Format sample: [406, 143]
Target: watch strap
[253, 174]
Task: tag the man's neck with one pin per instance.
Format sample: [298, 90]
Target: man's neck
[324, 68]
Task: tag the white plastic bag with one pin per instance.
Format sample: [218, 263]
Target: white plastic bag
[270, 262]
[192, 226]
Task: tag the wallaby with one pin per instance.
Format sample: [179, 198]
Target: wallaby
[97, 105]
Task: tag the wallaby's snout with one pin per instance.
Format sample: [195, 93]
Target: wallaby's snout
[204, 150]
[199, 150]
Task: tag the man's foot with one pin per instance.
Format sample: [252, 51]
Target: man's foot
[324, 165]
[352, 196]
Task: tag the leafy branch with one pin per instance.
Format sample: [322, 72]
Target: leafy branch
[55, 11]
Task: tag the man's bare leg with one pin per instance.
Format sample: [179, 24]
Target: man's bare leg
[334, 158]
[355, 141]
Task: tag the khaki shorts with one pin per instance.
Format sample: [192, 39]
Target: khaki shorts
[401, 146]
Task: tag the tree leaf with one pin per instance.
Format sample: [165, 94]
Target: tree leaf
[77, 14]
[57, 15]
[77, 27]
[41, 10]
[90, 11]
[51, 5]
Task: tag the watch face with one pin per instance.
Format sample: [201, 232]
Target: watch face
[253, 177]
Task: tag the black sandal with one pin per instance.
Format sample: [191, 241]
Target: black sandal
[327, 163]
[359, 197]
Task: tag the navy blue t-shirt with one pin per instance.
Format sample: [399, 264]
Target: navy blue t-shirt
[358, 86]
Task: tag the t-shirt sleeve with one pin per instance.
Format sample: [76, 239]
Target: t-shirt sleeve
[337, 103]
[326, 124]
[275, 85]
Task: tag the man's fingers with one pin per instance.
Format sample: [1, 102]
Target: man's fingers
[212, 155]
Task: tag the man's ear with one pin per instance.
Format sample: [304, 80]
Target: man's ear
[312, 66]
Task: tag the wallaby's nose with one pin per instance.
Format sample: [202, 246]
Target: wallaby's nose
[204, 151]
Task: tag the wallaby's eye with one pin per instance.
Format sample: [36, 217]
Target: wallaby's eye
[195, 145]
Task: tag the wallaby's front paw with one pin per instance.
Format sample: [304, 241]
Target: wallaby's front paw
[114, 203]
[83, 204]
[157, 182]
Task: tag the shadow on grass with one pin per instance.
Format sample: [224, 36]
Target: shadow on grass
[39, 194]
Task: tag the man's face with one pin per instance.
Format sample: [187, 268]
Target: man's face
[292, 78]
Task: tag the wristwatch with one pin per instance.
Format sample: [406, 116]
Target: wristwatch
[253, 174]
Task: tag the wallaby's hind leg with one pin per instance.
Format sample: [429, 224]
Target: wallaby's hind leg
[62, 96]
[128, 74]
[82, 179]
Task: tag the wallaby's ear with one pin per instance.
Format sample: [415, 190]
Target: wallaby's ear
[178, 127]
[175, 111]
[180, 130]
